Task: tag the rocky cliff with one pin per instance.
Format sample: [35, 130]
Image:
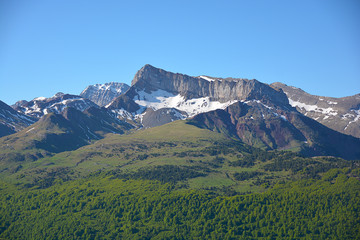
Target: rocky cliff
[151, 79]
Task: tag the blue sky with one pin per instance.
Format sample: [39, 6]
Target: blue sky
[64, 45]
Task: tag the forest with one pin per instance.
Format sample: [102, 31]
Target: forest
[111, 206]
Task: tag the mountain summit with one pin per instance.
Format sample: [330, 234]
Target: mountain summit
[157, 92]
[270, 117]
[150, 79]
[256, 113]
[103, 94]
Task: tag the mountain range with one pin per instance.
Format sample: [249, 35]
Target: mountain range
[180, 157]
[271, 117]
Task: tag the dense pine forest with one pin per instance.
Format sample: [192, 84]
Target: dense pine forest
[104, 206]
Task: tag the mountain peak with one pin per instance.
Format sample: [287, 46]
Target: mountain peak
[59, 94]
[103, 94]
[150, 79]
[145, 73]
[148, 66]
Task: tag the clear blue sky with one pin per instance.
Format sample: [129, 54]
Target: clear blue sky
[65, 45]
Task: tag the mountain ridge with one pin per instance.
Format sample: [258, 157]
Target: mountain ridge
[40, 106]
[272, 129]
[156, 89]
[258, 114]
[151, 78]
[12, 121]
[340, 114]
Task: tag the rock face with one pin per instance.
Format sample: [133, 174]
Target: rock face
[155, 89]
[340, 114]
[151, 79]
[12, 121]
[103, 94]
[160, 117]
[40, 106]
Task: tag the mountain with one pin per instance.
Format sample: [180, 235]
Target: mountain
[340, 114]
[103, 94]
[271, 127]
[209, 176]
[55, 133]
[12, 121]
[150, 79]
[40, 106]
[258, 114]
[154, 88]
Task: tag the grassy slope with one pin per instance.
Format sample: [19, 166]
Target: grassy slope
[161, 144]
[208, 153]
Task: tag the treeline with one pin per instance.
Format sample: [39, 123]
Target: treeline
[111, 208]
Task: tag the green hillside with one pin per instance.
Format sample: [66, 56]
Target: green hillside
[178, 181]
[178, 148]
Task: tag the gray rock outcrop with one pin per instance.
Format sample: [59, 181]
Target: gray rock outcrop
[150, 79]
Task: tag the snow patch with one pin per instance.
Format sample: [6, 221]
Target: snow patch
[208, 78]
[357, 117]
[57, 107]
[40, 99]
[113, 87]
[123, 114]
[259, 102]
[163, 99]
[315, 108]
[283, 117]
[348, 115]
[30, 129]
